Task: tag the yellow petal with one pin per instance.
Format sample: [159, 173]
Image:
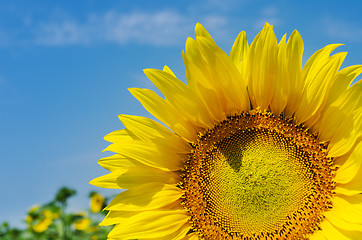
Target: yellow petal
[150, 224]
[339, 222]
[215, 78]
[109, 180]
[163, 111]
[150, 130]
[331, 233]
[282, 81]
[177, 94]
[318, 76]
[150, 154]
[177, 235]
[200, 31]
[318, 235]
[348, 132]
[116, 162]
[341, 109]
[144, 128]
[351, 165]
[223, 73]
[294, 54]
[191, 236]
[117, 135]
[207, 96]
[262, 67]
[146, 197]
[346, 214]
[353, 187]
[168, 70]
[342, 81]
[116, 217]
[138, 175]
[239, 54]
[343, 189]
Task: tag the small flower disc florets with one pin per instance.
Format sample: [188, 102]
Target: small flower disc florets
[255, 176]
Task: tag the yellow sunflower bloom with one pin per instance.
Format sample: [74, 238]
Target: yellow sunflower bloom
[256, 146]
[96, 202]
[42, 225]
[82, 224]
[29, 219]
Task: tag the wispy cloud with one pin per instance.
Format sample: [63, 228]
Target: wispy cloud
[164, 28]
[269, 14]
[342, 30]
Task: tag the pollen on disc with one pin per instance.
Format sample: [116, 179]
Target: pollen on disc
[256, 176]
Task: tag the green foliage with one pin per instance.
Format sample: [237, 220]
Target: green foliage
[51, 221]
[63, 194]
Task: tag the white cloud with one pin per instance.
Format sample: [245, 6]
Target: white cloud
[269, 14]
[164, 28]
[342, 30]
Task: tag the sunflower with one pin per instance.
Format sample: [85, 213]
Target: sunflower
[96, 202]
[82, 224]
[256, 146]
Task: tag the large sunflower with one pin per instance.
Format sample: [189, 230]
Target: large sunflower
[256, 146]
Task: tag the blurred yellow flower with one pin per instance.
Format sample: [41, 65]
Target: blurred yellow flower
[82, 224]
[96, 202]
[42, 225]
[34, 208]
[28, 219]
[47, 214]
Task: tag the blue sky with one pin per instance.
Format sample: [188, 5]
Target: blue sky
[65, 67]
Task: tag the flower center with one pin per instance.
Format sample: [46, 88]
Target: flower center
[257, 176]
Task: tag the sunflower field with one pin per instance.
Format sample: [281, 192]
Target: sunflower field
[52, 220]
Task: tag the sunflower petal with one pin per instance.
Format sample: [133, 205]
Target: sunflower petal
[340, 110]
[209, 100]
[146, 197]
[116, 217]
[200, 31]
[282, 82]
[108, 181]
[318, 75]
[346, 135]
[318, 235]
[344, 190]
[239, 54]
[346, 214]
[117, 135]
[177, 235]
[166, 69]
[342, 81]
[191, 236]
[150, 224]
[294, 54]
[139, 175]
[225, 75]
[159, 108]
[150, 130]
[144, 128]
[149, 154]
[331, 232]
[175, 91]
[216, 79]
[116, 162]
[262, 67]
[351, 165]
